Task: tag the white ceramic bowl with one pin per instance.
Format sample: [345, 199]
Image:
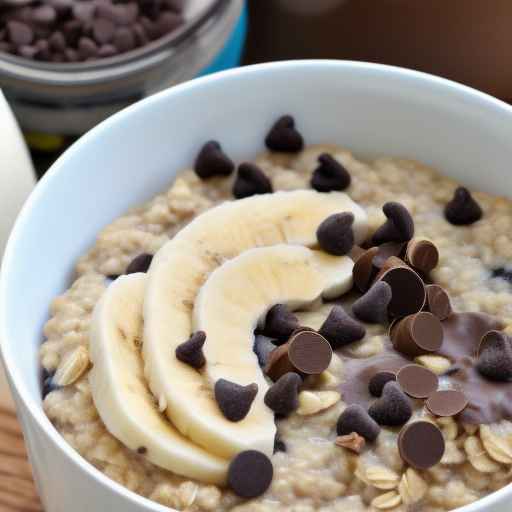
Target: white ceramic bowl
[374, 110]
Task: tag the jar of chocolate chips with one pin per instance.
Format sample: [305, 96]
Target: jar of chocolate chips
[66, 65]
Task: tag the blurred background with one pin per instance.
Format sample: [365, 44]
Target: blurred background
[58, 95]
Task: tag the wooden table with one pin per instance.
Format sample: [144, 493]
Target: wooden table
[17, 491]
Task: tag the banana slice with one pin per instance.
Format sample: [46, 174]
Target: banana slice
[122, 398]
[180, 268]
[240, 292]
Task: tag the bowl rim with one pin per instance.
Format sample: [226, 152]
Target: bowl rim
[14, 373]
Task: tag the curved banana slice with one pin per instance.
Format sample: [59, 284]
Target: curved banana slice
[122, 398]
[240, 292]
[176, 274]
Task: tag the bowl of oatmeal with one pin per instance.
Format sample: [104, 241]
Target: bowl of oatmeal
[281, 287]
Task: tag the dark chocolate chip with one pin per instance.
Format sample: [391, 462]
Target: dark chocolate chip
[212, 161]
[417, 381]
[378, 381]
[503, 273]
[447, 402]
[262, 347]
[407, 290]
[280, 322]
[309, 352]
[422, 255]
[418, 334]
[372, 307]
[278, 363]
[279, 444]
[330, 175]
[19, 33]
[284, 137]
[124, 39]
[355, 419]
[191, 351]
[438, 301]
[44, 14]
[250, 474]
[47, 383]
[421, 444]
[495, 357]
[399, 226]
[142, 450]
[335, 234]
[250, 180]
[233, 399]
[140, 263]
[103, 30]
[386, 251]
[340, 329]
[282, 397]
[57, 41]
[393, 408]
[364, 271]
[462, 210]
[87, 48]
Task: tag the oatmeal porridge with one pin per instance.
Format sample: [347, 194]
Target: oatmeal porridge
[304, 332]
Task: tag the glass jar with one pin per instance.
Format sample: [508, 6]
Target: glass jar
[69, 99]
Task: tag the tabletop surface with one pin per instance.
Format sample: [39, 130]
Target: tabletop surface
[17, 491]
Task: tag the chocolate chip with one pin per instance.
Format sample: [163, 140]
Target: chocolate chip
[330, 175]
[372, 307]
[378, 381]
[124, 39]
[48, 384]
[447, 402]
[278, 363]
[262, 347]
[386, 251]
[418, 334]
[140, 263]
[364, 271]
[87, 48]
[503, 273]
[233, 399]
[355, 419]
[212, 161]
[340, 329]
[191, 351]
[279, 444]
[407, 291]
[335, 234]
[284, 137]
[495, 357]
[462, 210]
[280, 322]
[417, 381]
[282, 397]
[103, 30]
[44, 14]
[250, 180]
[422, 255]
[438, 301]
[399, 226]
[57, 41]
[309, 352]
[421, 444]
[19, 33]
[250, 474]
[393, 408]
[142, 450]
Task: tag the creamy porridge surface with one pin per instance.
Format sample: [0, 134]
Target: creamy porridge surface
[313, 473]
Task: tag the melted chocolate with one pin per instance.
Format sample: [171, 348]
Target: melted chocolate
[488, 401]
[463, 332]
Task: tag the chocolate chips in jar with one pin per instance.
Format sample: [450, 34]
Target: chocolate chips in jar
[63, 31]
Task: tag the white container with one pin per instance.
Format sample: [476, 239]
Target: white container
[369, 108]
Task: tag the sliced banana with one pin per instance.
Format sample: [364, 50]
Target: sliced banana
[175, 277]
[121, 396]
[240, 292]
